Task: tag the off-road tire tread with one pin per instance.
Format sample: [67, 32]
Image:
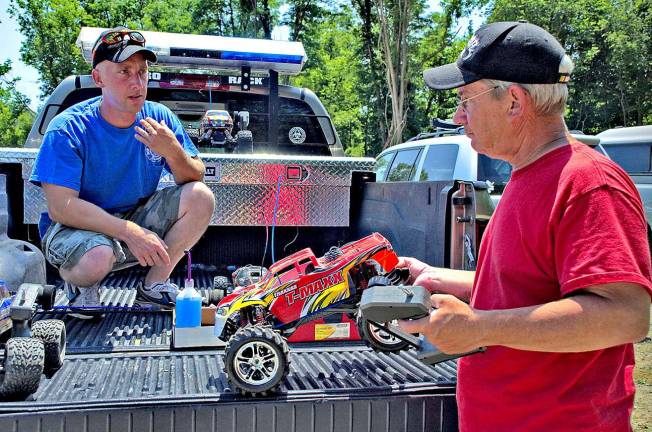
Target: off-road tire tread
[50, 332]
[23, 366]
[221, 284]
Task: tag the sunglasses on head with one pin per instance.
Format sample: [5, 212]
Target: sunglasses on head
[118, 36]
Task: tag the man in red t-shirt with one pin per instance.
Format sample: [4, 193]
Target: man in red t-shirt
[563, 282]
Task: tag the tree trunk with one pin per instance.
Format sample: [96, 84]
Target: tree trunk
[300, 8]
[232, 17]
[266, 20]
[365, 10]
[623, 103]
[393, 38]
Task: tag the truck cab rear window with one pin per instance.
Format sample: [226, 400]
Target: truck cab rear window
[300, 131]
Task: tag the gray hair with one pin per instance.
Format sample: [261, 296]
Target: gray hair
[548, 99]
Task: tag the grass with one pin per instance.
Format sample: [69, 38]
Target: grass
[642, 415]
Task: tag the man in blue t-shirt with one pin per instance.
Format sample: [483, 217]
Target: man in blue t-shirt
[99, 165]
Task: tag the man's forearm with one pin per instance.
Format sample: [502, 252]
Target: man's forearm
[584, 322]
[185, 168]
[81, 214]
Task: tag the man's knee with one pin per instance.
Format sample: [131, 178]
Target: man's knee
[196, 197]
[92, 267]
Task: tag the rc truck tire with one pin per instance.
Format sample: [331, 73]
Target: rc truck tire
[221, 285]
[53, 335]
[256, 361]
[245, 141]
[214, 296]
[378, 339]
[23, 367]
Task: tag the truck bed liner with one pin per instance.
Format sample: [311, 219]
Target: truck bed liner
[123, 331]
[120, 375]
[128, 379]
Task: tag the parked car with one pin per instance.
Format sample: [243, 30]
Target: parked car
[631, 148]
[446, 154]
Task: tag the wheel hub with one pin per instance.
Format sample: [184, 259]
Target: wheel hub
[256, 362]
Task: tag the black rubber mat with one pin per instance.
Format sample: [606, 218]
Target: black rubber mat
[118, 330]
[108, 379]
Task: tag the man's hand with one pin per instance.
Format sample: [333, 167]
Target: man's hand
[438, 280]
[452, 326]
[415, 267]
[157, 136]
[421, 274]
[147, 246]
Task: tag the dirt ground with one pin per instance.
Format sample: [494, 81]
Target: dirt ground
[642, 416]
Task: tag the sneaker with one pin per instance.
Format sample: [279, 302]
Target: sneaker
[84, 302]
[159, 293]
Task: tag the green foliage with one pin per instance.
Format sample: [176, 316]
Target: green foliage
[610, 43]
[331, 72]
[15, 116]
[50, 28]
[439, 43]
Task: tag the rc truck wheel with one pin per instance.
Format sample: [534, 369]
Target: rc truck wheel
[22, 368]
[256, 360]
[222, 283]
[377, 338]
[215, 296]
[53, 335]
[245, 140]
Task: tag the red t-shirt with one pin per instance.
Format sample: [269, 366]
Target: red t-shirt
[567, 221]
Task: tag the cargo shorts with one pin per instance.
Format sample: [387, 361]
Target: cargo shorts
[64, 246]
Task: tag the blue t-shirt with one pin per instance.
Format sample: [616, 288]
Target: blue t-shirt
[107, 165]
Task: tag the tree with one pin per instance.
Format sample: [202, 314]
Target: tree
[302, 14]
[440, 40]
[332, 73]
[374, 86]
[394, 18]
[50, 28]
[15, 116]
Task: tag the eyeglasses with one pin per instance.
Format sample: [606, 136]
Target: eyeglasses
[461, 103]
[118, 36]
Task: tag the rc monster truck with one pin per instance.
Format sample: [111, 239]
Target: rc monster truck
[255, 320]
[216, 127]
[28, 352]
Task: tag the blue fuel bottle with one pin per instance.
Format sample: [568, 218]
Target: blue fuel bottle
[188, 304]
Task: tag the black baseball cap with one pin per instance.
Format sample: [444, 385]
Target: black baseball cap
[120, 51]
[514, 51]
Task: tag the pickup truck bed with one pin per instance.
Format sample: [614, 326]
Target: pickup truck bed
[120, 374]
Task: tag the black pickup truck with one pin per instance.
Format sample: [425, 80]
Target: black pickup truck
[120, 372]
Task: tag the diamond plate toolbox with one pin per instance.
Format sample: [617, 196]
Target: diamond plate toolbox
[249, 189]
